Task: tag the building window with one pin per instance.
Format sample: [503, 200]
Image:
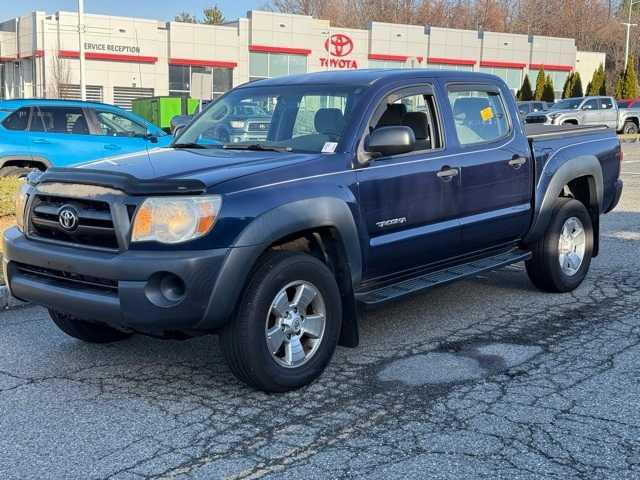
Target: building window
[386, 64]
[268, 65]
[558, 78]
[204, 83]
[511, 76]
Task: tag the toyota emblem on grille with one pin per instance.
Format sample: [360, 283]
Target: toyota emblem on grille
[68, 218]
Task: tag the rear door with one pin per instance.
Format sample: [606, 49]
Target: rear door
[410, 202]
[609, 112]
[14, 138]
[591, 114]
[62, 136]
[496, 171]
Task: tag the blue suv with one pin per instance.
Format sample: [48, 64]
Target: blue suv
[38, 134]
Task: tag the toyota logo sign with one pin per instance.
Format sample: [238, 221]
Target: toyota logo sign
[68, 218]
[339, 45]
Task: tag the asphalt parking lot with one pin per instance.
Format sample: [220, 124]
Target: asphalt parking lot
[487, 378]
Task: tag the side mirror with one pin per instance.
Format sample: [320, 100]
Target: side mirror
[386, 141]
[151, 135]
[179, 122]
[586, 107]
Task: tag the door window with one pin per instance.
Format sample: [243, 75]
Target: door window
[479, 115]
[606, 104]
[18, 120]
[115, 125]
[61, 120]
[417, 111]
[591, 104]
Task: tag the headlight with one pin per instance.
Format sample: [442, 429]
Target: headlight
[236, 124]
[175, 219]
[21, 204]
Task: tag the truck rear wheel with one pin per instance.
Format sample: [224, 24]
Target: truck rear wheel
[86, 331]
[287, 323]
[561, 258]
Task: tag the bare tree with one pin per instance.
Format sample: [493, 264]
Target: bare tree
[59, 78]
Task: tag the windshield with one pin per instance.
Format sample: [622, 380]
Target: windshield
[568, 104]
[299, 118]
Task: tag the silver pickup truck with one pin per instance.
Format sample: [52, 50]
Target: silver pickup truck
[589, 111]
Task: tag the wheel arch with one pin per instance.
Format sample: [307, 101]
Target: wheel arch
[40, 163]
[582, 177]
[327, 224]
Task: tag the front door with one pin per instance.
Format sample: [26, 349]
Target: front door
[410, 201]
[495, 167]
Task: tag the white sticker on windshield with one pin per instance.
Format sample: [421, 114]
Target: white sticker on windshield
[329, 147]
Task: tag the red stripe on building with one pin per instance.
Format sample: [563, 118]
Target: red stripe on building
[387, 58]
[451, 61]
[107, 56]
[498, 64]
[290, 51]
[202, 63]
[556, 68]
[7, 59]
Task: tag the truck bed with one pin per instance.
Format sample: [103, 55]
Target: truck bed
[536, 130]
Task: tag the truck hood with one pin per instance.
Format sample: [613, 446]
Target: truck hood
[212, 166]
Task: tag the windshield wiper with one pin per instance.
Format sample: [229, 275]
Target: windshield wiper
[255, 146]
[187, 145]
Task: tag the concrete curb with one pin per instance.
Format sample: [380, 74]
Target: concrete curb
[7, 302]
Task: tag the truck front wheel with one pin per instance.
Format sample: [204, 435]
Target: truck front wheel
[287, 323]
[86, 331]
[630, 128]
[561, 258]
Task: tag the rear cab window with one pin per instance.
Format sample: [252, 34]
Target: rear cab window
[18, 120]
[479, 114]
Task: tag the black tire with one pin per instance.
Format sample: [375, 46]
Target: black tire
[243, 340]
[86, 331]
[544, 268]
[630, 128]
[13, 171]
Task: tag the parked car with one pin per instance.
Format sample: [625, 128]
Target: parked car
[247, 121]
[405, 180]
[525, 108]
[629, 103]
[39, 134]
[580, 111]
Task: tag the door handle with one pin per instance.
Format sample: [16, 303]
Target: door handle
[517, 162]
[447, 174]
[111, 147]
[41, 141]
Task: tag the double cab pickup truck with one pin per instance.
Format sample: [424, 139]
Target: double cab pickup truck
[623, 117]
[369, 186]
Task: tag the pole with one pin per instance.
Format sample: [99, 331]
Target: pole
[628, 25]
[81, 27]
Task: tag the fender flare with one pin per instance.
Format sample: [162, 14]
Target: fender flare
[552, 182]
[266, 229]
[22, 158]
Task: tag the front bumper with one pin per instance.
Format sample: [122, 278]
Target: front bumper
[121, 289]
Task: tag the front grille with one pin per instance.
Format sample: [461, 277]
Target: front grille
[68, 279]
[94, 227]
[536, 119]
[259, 126]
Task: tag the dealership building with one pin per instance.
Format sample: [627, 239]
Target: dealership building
[129, 58]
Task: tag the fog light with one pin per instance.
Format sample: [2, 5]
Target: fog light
[165, 289]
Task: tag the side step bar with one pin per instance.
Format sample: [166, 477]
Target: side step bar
[441, 277]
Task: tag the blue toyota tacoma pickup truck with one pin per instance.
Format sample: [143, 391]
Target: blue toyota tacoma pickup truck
[370, 186]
